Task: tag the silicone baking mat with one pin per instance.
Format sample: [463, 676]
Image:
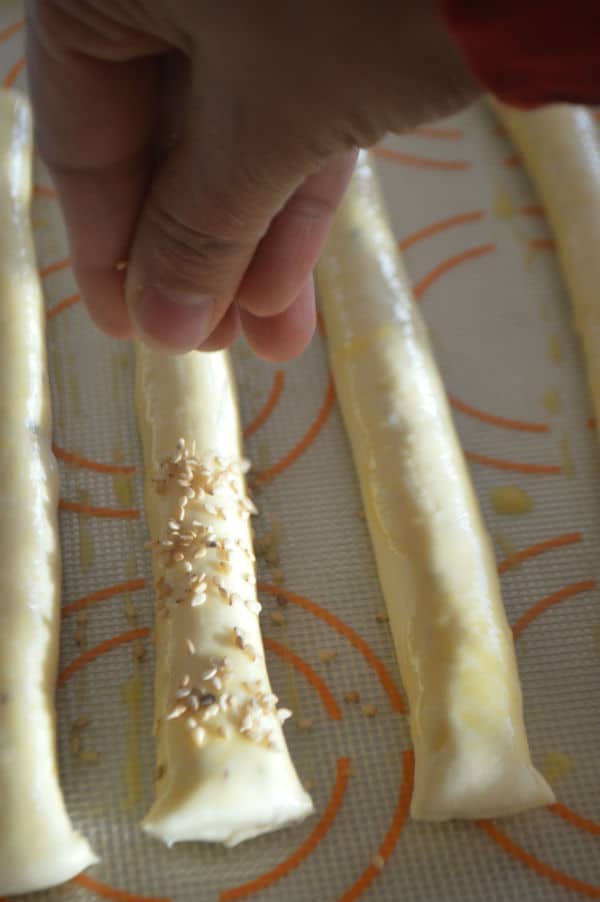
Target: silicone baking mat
[484, 269]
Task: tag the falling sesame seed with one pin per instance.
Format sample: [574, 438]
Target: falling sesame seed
[89, 757]
[81, 723]
[378, 862]
[191, 723]
[352, 697]
[185, 680]
[160, 772]
[305, 723]
[190, 646]
[209, 674]
[277, 618]
[121, 265]
[327, 655]
[277, 576]
[381, 617]
[369, 710]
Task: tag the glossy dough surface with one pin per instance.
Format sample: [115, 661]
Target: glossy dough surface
[38, 846]
[224, 771]
[434, 557]
[560, 146]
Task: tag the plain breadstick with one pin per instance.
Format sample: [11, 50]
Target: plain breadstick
[434, 558]
[562, 154]
[38, 846]
[224, 771]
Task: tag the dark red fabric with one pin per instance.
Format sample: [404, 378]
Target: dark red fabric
[529, 53]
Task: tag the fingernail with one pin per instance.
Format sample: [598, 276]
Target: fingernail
[177, 321]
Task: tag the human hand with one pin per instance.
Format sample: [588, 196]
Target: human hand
[208, 144]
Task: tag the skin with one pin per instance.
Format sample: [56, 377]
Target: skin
[208, 144]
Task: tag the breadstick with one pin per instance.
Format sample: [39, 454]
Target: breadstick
[38, 846]
[560, 146]
[433, 555]
[224, 771]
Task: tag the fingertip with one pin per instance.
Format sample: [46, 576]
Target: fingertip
[104, 297]
[286, 335]
[225, 333]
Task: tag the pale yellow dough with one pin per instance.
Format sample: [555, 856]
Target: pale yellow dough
[434, 557]
[230, 787]
[38, 846]
[562, 153]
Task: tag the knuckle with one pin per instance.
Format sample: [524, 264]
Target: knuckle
[184, 253]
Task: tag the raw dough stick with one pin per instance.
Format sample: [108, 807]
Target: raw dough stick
[562, 154]
[38, 846]
[434, 558]
[224, 771]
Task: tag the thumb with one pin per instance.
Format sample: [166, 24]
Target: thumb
[209, 205]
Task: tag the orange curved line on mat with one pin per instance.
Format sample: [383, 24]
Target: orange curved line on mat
[269, 405]
[407, 159]
[471, 253]
[89, 510]
[357, 641]
[307, 439]
[13, 73]
[513, 159]
[542, 244]
[131, 585]
[54, 267]
[98, 650]
[532, 210]
[44, 191]
[576, 820]
[393, 834]
[569, 538]
[331, 706]
[450, 134]
[513, 465]
[86, 464]
[308, 846]
[5, 34]
[439, 226]
[109, 892]
[537, 609]
[536, 864]
[62, 305]
[493, 420]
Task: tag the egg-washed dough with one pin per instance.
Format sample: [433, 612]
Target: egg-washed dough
[559, 144]
[38, 846]
[224, 772]
[434, 558]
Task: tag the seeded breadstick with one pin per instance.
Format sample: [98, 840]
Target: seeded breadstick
[434, 558]
[225, 773]
[562, 154]
[38, 846]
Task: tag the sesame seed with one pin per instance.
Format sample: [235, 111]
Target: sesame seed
[254, 606]
[89, 757]
[176, 712]
[283, 714]
[369, 710]
[326, 655]
[277, 618]
[381, 617]
[190, 646]
[183, 692]
[352, 697]
[378, 862]
[305, 723]
[199, 735]
[217, 683]
[191, 723]
[185, 680]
